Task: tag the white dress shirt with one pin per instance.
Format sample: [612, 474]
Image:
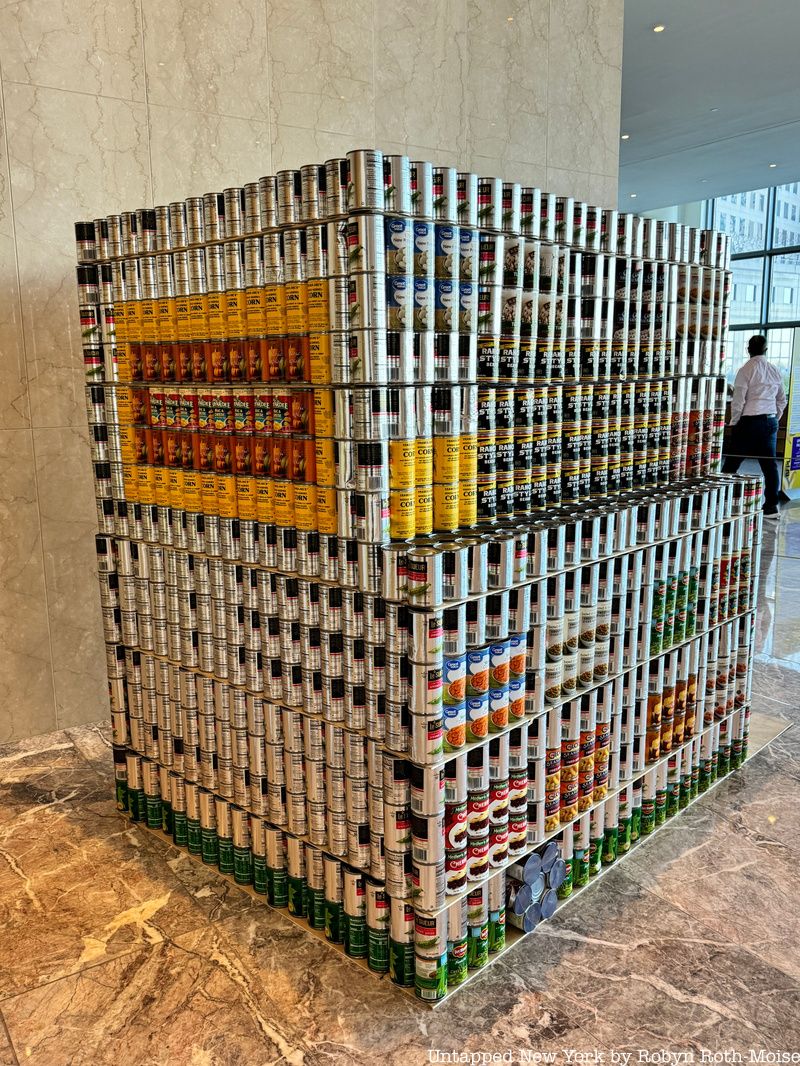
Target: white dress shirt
[757, 390]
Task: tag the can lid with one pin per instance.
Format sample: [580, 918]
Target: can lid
[558, 874]
[522, 900]
[537, 886]
[549, 856]
[532, 868]
[532, 918]
[549, 903]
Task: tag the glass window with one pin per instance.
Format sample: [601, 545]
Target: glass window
[784, 304]
[736, 353]
[780, 343]
[746, 296]
[745, 219]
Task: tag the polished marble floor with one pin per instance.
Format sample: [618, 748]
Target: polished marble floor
[117, 949]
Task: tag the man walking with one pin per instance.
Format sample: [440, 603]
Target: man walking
[756, 408]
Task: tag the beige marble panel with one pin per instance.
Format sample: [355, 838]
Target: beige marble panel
[420, 73]
[84, 45]
[584, 85]
[509, 170]
[67, 508]
[506, 83]
[568, 183]
[603, 190]
[293, 146]
[71, 156]
[26, 674]
[321, 66]
[14, 411]
[193, 153]
[440, 157]
[209, 56]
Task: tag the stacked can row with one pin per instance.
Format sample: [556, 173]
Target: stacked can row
[396, 301]
[433, 953]
[381, 464]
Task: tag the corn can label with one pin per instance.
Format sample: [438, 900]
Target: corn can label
[402, 464]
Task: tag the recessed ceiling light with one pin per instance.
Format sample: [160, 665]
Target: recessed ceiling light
[772, 165]
[510, 18]
[714, 109]
[659, 28]
[704, 181]
[633, 196]
[625, 137]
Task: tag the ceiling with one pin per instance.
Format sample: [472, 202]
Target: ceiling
[740, 56]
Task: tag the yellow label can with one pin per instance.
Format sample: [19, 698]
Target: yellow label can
[402, 464]
[124, 405]
[323, 412]
[133, 321]
[327, 510]
[423, 504]
[402, 514]
[226, 495]
[149, 321]
[296, 307]
[198, 316]
[182, 319]
[235, 312]
[446, 452]
[445, 507]
[246, 497]
[123, 362]
[147, 485]
[319, 345]
[275, 308]
[255, 311]
[318, 304]
[175, 478]
[325, 456]
[284, 503]
[120, 311]
[468, 456]
[265, 511]
[305, 506]
[161, 484]
[130, 482]
[208, 488]
[217, 321]
[192, 491]
[167, 321]
[423, 468]
[467, 505]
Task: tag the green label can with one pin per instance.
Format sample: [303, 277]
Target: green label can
[333, 920]
[565, 888]
[497, 930]
[457, 965]
[580, 867]
[242, 866]
[121, 792]
[430, 977]
[401, 963]
[624, 835]
[260, 874]
[180, 829]
[137, 804]
[296, 896]
[354, 935]
[695, 782]
[610, 845]
[595, 855]
[193, 836]
[478, 946]
[166, 818]
[315, 907]
[278, 888]
[209, 849]
[673, 798]
[636, 823]
[378, 950]
[225, 854]
[685, 792]
[648, 823]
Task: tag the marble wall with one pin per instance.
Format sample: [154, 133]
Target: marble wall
[105, 107]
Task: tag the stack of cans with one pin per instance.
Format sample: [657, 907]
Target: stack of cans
[411, 550]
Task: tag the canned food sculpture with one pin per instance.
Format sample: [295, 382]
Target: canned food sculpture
[422, 598]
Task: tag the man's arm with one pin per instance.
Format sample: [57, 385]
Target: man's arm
[780, 400]
[739, 395]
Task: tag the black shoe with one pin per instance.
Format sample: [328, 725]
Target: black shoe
[772, 514]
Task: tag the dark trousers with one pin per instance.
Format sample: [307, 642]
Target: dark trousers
[756, 437]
